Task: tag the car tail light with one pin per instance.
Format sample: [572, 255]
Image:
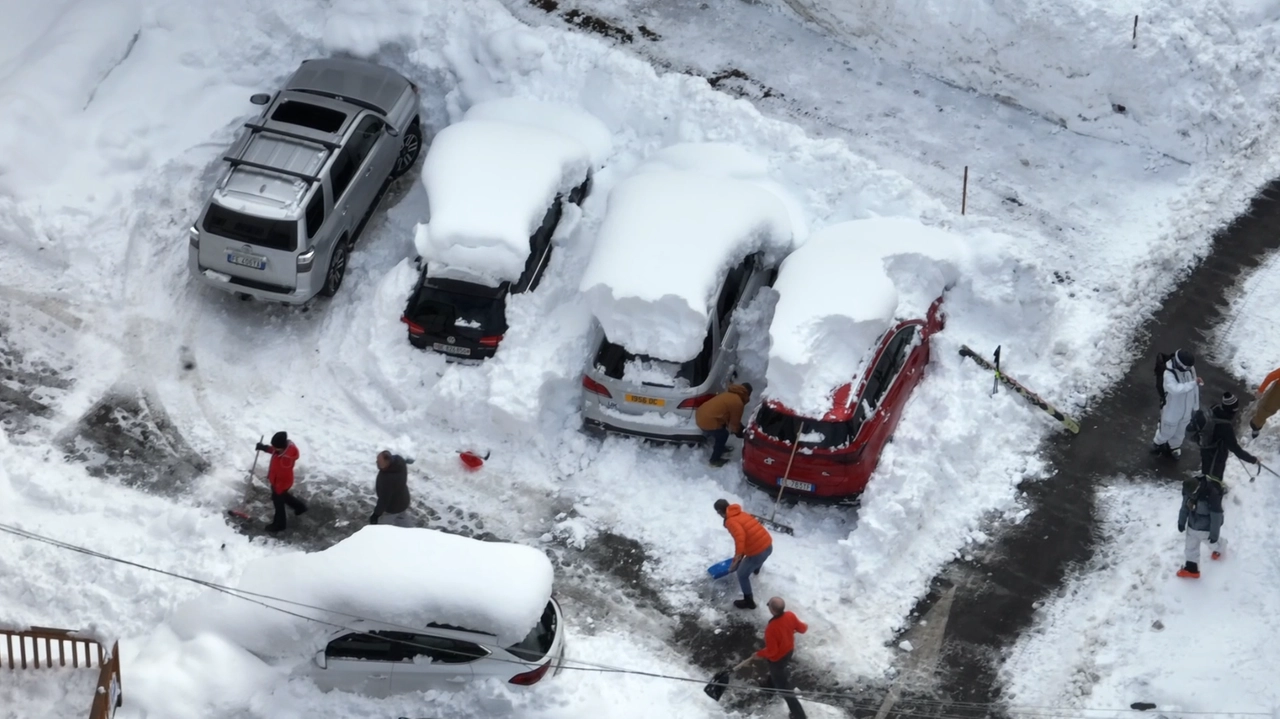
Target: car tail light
[414, 327]
[593, 386]
[490, 341]
[530, 678]
[306, 259]
[695, 402]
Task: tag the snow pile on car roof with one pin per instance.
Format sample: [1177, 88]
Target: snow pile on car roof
[841, 291]
[490, 179]
[671, 233]
[408, 577]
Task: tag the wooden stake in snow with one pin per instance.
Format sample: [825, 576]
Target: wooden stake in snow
[1135, 32]
[964, 190]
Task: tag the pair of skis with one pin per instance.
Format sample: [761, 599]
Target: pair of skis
[1071, 424]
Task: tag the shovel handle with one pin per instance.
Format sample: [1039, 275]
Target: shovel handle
[786, 474]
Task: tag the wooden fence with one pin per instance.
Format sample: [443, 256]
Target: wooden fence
[38, 647]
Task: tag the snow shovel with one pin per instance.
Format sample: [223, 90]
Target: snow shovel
[720, 569]
[239, 512]
[472, 460]
[720, 682]
[782, 484]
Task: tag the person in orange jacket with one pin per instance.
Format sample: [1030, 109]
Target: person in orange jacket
[1268, 402]
[779, 643]
[284, 454]
[720, 415]
[752, 544]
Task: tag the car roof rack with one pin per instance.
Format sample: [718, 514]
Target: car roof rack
[237, 162]
[259, 127]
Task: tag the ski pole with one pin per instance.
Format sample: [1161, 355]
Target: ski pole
[1246, 469]
[1272, 471]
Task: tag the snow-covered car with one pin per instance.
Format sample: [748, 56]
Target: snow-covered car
[303, 179]
[677, 253]
[497, 183]
[843, 361]
[398, 610]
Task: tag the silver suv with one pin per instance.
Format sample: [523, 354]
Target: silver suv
[303, 179]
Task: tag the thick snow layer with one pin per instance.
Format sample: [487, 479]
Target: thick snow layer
[667, 241]
[1247, 343]
[1077, 62]
[409, 577]
[489, 185]
[839, 293]
[562, 119]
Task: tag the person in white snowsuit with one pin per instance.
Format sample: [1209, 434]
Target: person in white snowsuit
[1181, 400]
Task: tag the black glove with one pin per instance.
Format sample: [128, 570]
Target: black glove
[374, 519]
[1182, 526]
[739, 433]
[262, 447]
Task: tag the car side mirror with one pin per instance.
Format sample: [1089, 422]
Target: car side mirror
[260, 98]
[320, 660]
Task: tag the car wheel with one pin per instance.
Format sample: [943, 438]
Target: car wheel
[409, 149]
[337, 270]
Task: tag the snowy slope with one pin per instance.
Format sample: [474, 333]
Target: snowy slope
[115, 144]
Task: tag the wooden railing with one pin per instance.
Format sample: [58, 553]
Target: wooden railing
[35, 648]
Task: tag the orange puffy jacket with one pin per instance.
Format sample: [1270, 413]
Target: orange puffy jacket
[723, 410]
[749, 536]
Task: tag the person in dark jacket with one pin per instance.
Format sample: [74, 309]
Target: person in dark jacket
[779, 643]
[284, 455]
[1218, 438]
[720, 415]
[1201, 520]
[392, 489]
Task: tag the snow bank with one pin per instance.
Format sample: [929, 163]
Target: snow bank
[841, 291]
[387, 574]
[489, 185]
[555, 117]
[668, 239]
[1075, 61]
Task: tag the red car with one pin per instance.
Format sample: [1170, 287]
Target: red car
[839, 451]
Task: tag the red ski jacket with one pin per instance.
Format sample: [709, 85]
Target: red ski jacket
[780, 636]
[280, 473]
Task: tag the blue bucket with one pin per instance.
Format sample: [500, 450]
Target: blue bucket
[720, 569]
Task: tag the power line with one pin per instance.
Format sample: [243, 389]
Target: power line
[836, 699]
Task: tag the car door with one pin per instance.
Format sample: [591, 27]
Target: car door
[434, 662]
[359, 662]
[887, 389]
[366, 144]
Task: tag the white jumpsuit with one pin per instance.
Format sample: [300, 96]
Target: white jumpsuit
[1182, 398]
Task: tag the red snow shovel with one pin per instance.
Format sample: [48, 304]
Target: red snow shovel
[240, 512]
[782, 484]
[472, 460]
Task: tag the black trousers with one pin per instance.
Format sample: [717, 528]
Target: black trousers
[279, 501]
[782, 682]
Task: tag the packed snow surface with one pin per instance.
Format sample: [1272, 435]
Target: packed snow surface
[489, 185]
[668, 240]
[410, 577]
[839, 293]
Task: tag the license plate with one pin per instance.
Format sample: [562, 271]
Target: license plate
[802, 486]
[257, 263]
[451, 349]
[651, 401]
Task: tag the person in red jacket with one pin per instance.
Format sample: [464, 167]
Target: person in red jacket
[779, 643]
[284, 454]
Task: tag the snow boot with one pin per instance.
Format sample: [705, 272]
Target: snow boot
[1175, 453]
[1190, 571]
[1158, 449]
[274, 528]
[746, 602]
[720, 462]
[1220, 551]
[1254, 431]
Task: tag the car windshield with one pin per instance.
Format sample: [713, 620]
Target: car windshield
[616, 362]
[783, 427]
[304, 114]
[441, 306]
[272, 234]
[538, 641]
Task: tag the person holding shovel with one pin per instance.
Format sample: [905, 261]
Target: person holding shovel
[779, 643]
[752, 545]
[392, 490]
[720, 415]
[284, 454]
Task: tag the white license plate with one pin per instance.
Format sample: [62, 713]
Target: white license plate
[450, 349]
[802, 486]
[257, 263]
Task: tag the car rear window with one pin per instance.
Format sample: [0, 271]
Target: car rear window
[783, 427]
[272, 234]
[304, 114]
[441, 306]
[538, 641]
[612, 359]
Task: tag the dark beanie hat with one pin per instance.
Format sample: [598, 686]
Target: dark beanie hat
[1186, 359]
[1228, 400]
[748, 386]
[722, 505]
[280, 440]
